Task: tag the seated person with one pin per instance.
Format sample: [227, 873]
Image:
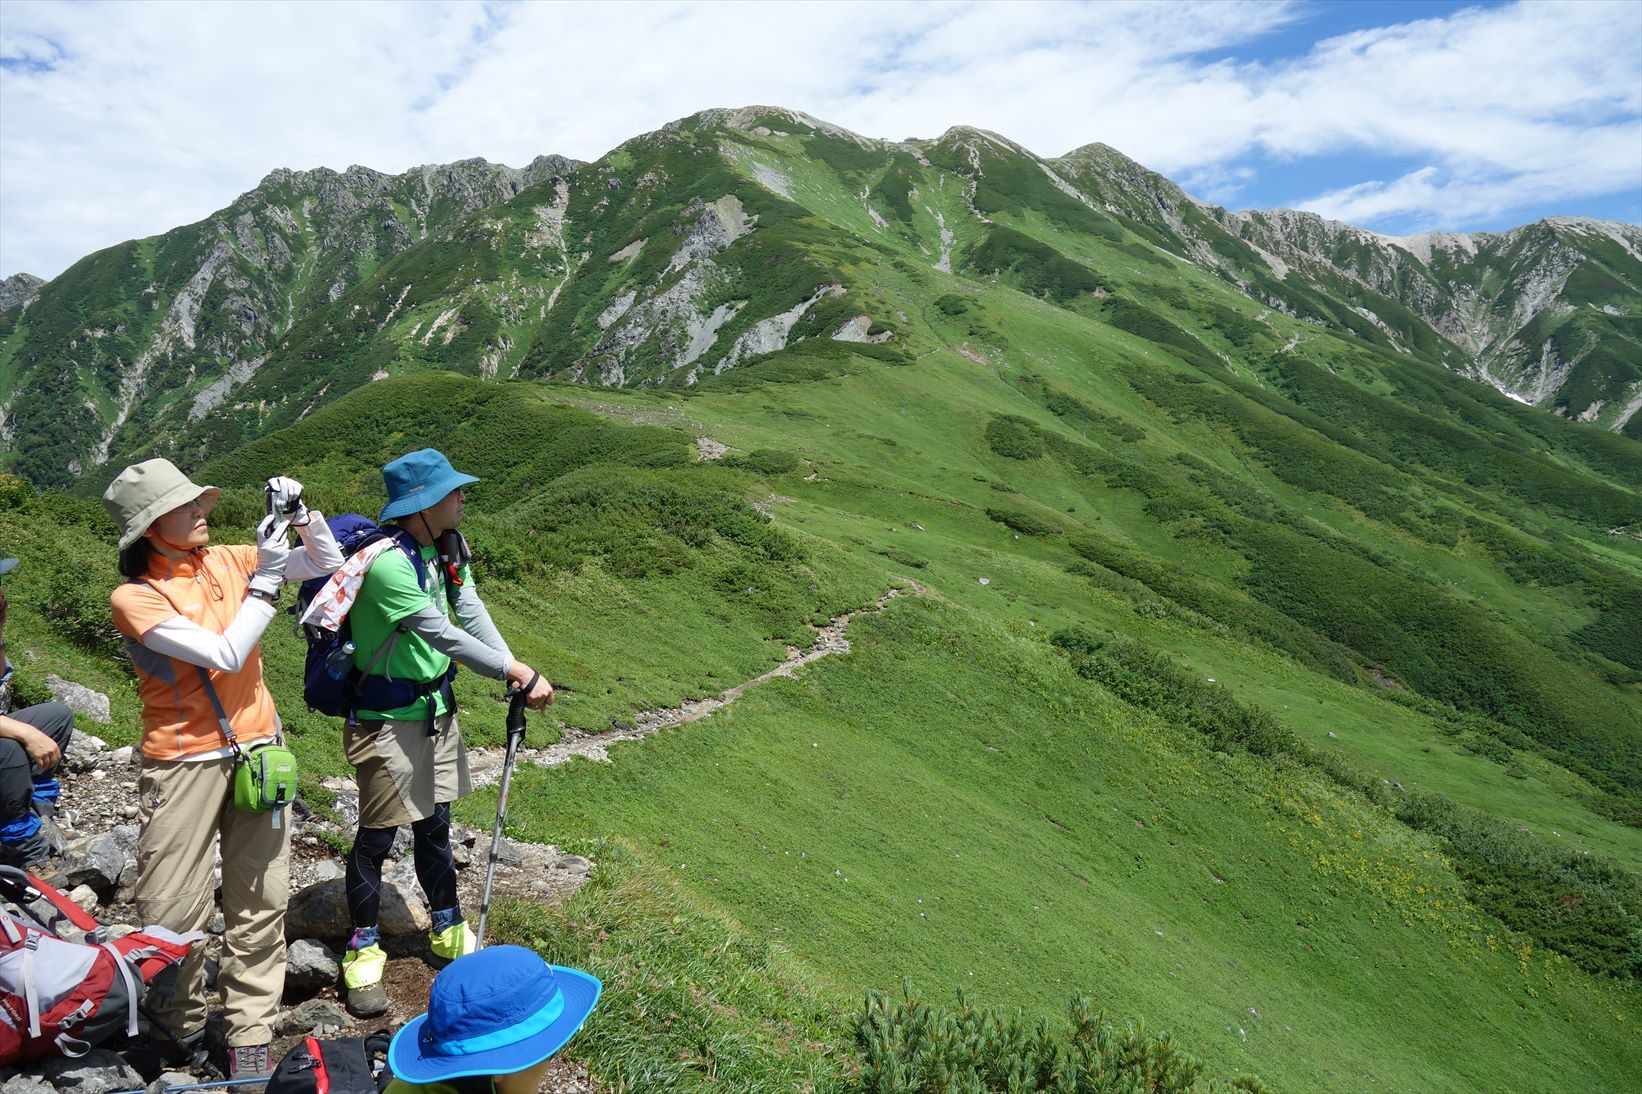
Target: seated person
[495, 1017]
[32, 743]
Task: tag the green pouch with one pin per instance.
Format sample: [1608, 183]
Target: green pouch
[264, 778]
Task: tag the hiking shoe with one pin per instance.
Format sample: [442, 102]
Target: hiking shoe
[30, 853]
[456, 940]
[159, 1052]
[250, 1061]
[362, 971]
[368, 1001]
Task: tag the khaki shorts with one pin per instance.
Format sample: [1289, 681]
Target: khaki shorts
[402, 772]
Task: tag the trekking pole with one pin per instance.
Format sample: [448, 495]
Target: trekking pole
[220, 1084]
[515, 736]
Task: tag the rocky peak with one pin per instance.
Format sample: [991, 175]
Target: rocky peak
[18, 290]
[748, 119]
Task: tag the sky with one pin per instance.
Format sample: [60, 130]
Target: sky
[123, 120]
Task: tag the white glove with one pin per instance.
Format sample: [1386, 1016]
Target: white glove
[273, 552]
[285, 499]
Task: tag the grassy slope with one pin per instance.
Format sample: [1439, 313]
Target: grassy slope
[951, 804]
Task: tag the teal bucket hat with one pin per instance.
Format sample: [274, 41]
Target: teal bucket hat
[418, 480]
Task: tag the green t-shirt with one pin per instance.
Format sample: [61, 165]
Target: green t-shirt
[389, 593]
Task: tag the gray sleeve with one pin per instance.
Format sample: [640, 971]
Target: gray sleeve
[431, 625]
[475, 619]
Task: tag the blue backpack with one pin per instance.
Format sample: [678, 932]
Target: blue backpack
[331, 684]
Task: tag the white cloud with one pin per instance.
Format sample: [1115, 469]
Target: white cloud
[120, 120]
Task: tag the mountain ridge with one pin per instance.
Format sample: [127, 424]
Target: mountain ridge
[242, 286]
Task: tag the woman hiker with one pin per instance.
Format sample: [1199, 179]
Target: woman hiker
[404, 742]
[494, 1019]
[192, 615]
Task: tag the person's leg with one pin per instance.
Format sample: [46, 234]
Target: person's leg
[451, 937]
[381, 812]
[436, 871]
[255, 890]
[435, 865]
[55, 720]
[20, 841]
[179, 806]
[363, 876]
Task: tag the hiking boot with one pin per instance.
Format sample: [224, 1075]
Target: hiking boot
[28, 853]
[250, 1061]
[362, 971]
[159, 1052]
[456, 940]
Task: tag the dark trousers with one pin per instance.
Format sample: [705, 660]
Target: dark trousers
[17, 775]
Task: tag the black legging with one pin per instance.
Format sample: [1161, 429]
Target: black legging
[435, 868]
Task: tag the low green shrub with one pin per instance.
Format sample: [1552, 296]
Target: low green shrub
[1015, 438]
[909, 1047]
[1584, 906]
[1148, 679]
[764, 461]
[1025, 523]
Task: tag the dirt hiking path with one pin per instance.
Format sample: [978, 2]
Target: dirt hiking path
[486, 765]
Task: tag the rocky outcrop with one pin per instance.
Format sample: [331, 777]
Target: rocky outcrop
[668, 318]
[18, 290]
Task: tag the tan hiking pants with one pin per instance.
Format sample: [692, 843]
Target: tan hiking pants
[402, 772]
[184, 809]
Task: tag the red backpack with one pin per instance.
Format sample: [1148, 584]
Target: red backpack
[63, 998]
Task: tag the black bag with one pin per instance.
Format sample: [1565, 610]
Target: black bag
[347, 1065]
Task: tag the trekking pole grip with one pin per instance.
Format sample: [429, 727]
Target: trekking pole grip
[516, 707]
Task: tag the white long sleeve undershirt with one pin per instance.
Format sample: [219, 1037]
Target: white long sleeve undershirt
[187, 641]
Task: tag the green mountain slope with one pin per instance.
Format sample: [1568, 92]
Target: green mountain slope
[140, 338]
[732, 234]
[1254, 672]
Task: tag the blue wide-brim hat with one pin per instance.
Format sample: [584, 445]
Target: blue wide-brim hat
[494, 1012]
[418, 480]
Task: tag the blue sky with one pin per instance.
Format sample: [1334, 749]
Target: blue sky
[122, 120]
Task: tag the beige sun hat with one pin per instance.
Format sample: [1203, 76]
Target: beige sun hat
[144, 492]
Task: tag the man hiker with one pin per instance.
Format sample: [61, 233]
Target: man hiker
[494, 1019]
[404, 742]
[32, 743]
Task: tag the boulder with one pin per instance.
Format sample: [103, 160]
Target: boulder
[309, 967]
[125, 837]
[86, 897]
[321, 1017]
[97, 861]
[575, 864]
[80, 699]
[84, 750]
[321, 910]
[97, 1072]
[27, 1084]
[327, 869]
